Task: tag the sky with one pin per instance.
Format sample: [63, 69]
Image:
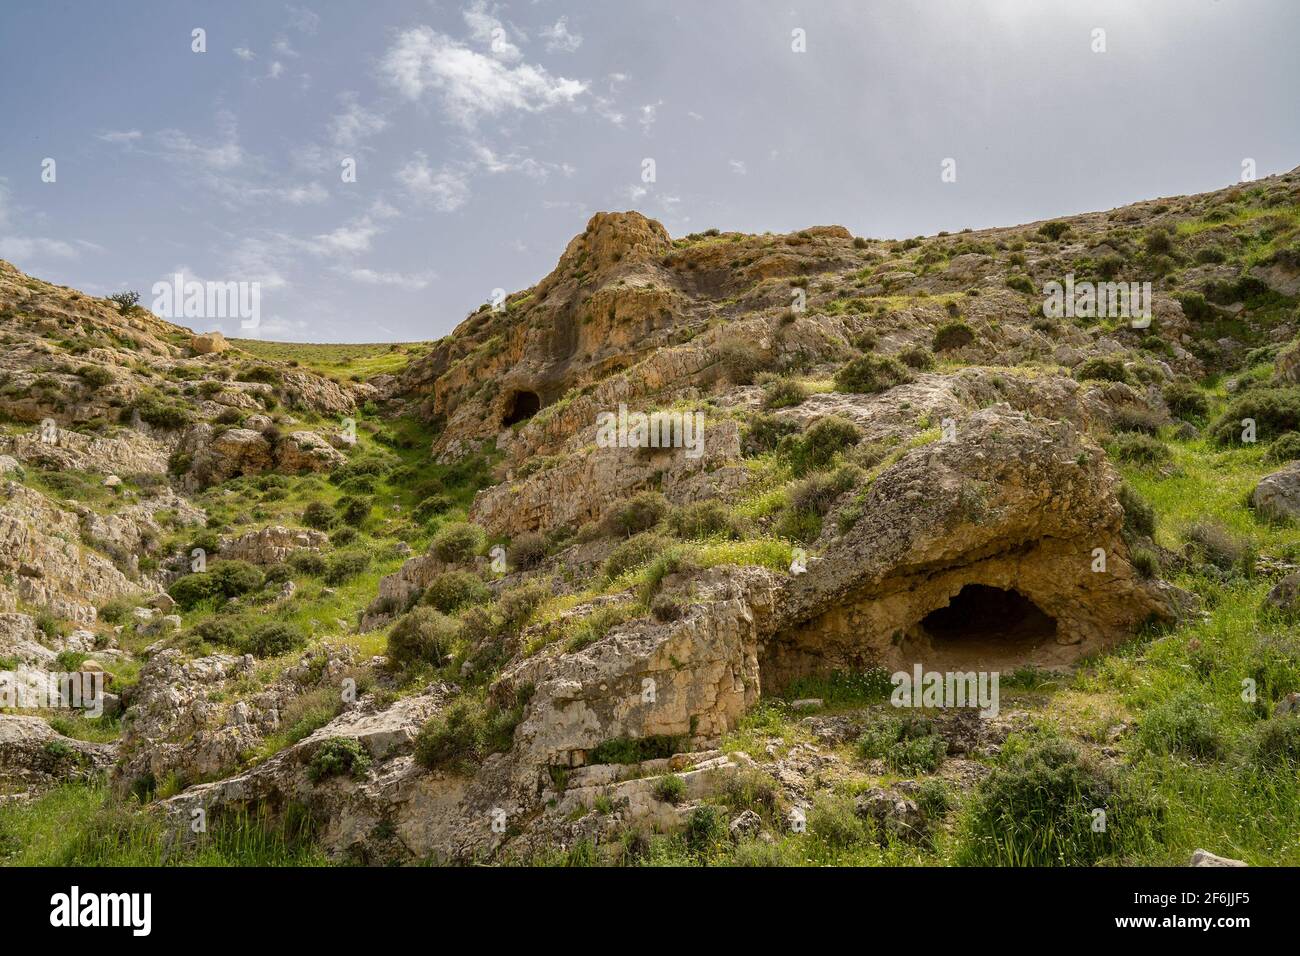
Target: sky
[379, 168]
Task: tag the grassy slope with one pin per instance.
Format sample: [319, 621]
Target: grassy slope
[358, 361]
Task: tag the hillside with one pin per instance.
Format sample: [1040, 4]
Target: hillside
[438, 602]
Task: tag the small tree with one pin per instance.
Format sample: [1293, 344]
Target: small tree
[126, 301]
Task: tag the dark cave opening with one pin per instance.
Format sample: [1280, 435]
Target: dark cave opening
[520, 407]
[983, 618]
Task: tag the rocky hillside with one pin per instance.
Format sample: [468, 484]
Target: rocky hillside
[462, 610]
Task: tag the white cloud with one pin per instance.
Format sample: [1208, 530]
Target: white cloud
[738, 167]
[649, 113]
[486, 28]
[559, 39]
[121, 137]
[445, 188]
[354, 123]
[276, 70]
[514, 162]
[396, 280]
[283, 47]
[347, 239]
[422, 61]
[303, 20]
[244, 53]
[16, 248]
[224, 153]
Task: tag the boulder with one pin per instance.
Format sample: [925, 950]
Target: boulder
[1284, 597]
[207, 343]
[1277, 496]
[1206, 858]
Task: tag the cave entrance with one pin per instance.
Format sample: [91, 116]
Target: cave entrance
[987, 622]
[520, 407]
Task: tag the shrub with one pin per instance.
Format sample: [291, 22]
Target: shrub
[784, 393]
[1185, 400]
[160, 413]
[318, 515]
[223, 579]
[125, 301]
[764, 433]
[953, 335]
[453, 590]
[272, 639]
[95, 376]
[431, 507]
[818, 446]
[421, 636]
[353, 510]
[1139, 516]
[1140, 449]
[870, 374]
[1274, 410]
[907, 743]
[633, 553]
[339, 755]
[466, 733]
[642, 513]
[740, 360]
[670, 789]
[917, 357]
[702, 519]
[343, 536]
[310, 563]
[344, 566]
[1021, 283]
[221, 630]
[705, 830]
[1214, 544]
[1145, 562]
[1036, 809]
[1158, 242]
[1183, 724]
[818, 491]
[1275, 742]
[1102, 369]
[527, 550]
[458, 542]
[516, 606]
[1054, 230]
[833, 822]
[1286, 448]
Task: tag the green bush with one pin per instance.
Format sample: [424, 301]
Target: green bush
[272, 639]
[1185, 400]
[431, 507]
[1183, 724]
[764, 433]
[527, 550]
[421, 636]
[1212, 543]
[339, 755]
[463, 735]
[95, 376]
[1102, 370]
[907, 743]
[833, 822]
[784, 393]
[670, 789]
[1054, 230]
[1275, 411]
[1286, 448]
[353, 510]
[819, 445]
[319, 515]
[869, 374]
[953, 335]
[702, 519]
[1139, 516]
[1276, 742]
[917, 357]
[458, 542]
[310, 563]
[162, 413]
[453, 590]
[223, 579]
[345, 566]
[1145, 562]
[1140, 449]
[633, 553]
[1037, 809]
[641, 513]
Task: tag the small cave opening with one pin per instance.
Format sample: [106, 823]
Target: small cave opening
[520, 407]
[987, 621]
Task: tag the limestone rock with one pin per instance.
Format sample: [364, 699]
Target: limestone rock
[208, 343]
[1277, 496]
[1206, 858]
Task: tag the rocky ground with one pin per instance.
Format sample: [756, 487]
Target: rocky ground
[405, 604]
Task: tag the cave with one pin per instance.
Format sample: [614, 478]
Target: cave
[520, 406]
[987, 622]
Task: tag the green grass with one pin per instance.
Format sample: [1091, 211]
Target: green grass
[339, 360]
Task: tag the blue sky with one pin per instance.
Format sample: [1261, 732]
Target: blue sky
[485, 135]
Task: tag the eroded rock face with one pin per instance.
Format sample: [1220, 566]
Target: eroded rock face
[1277, 496]
[33, 756]
[1012, 503]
